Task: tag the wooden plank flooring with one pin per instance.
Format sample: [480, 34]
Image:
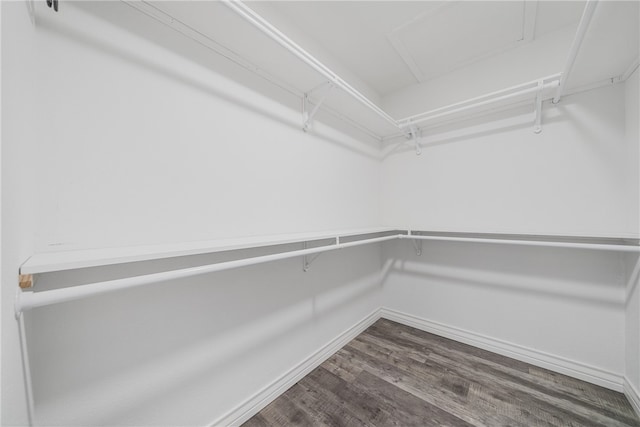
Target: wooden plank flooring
[394, 375]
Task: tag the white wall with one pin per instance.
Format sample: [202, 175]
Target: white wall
[558, 308]
[632, 356]
[493, 174]
[19, 167]
[113, 140]
[563, 307]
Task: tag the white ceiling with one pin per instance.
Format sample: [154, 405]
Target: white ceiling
[392, 45]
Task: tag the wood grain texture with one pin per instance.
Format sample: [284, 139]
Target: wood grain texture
[395, 375]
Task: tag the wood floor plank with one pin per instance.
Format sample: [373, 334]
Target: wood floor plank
[587, 399]
[395, 375]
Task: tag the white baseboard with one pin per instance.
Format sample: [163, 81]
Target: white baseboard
[632, 395]
[554, 363]
[262, 398]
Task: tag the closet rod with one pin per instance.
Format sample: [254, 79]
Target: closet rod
[403, 125]
[482, 100]
[571, 245]
[272, 32]
[28, 300]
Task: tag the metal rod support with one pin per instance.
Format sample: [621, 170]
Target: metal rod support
[587, 14]
[308, 116]
[417, 245]
[537, 128]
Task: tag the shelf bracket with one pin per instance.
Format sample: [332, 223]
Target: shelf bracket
[307, 116]
[413, 135]
[25, 281]
[307, 260]
[537, 128]
[417, 245]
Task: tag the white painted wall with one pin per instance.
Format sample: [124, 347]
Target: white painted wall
[632, 356]
[493, 174]
[19, 168]
[113, 140]
[563, 308]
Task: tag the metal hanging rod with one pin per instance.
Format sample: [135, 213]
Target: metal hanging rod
[28, 300]
[197, 36]
[526, 242]
[482, 100]
[403, 125]
[263, 25]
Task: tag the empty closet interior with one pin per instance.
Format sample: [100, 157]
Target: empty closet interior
[204, 200]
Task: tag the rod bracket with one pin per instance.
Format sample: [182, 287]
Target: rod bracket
[307, 114]
[537, 127]
[16, 304]
[417, 245]
[413, 134]
[307, 260]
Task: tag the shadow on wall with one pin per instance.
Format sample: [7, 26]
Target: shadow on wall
[633, 276]
[200, 55]
[564, 274]
[121, 351]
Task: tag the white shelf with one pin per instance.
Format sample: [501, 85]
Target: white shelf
[48, 262]
[68, 260]
[616, 244]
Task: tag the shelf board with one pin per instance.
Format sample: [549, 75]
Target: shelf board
[48, 262]
[619, 244]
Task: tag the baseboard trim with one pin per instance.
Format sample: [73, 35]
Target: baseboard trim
[266, 395]
[632, 395]
[558, 364]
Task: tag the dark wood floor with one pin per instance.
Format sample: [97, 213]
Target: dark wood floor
[394, 375]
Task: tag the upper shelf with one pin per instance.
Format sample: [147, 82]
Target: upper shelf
[351, 103]
[68, 260]
[616, 244]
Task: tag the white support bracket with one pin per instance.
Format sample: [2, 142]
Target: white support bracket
[537, 127]
[417, 245]
[413, 135]
[307, 260]
[307, 116]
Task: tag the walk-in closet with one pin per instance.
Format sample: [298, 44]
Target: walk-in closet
[319, 213]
